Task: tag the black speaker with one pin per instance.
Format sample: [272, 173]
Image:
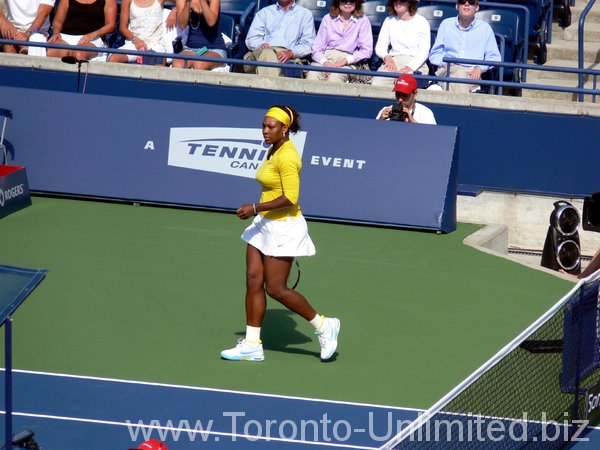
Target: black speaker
[591, 213]
[561, 249]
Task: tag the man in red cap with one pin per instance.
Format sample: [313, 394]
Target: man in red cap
[407, 109]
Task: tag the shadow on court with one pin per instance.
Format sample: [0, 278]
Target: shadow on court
[154, 294]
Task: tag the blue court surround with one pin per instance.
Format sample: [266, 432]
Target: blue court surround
[68, 412]
[75, 413]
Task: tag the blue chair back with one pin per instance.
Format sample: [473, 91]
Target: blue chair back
[375, 10]
[242, 11]
[236, 8]
[539, 26]
[435, 15]
[509, 35]
[227, 24]
[318, 8]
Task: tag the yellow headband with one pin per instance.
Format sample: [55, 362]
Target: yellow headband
[281, 115]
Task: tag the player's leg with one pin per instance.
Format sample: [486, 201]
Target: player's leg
[276, 274]
[250, 348]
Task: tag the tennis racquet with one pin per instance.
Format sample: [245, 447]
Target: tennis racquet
[294, 275]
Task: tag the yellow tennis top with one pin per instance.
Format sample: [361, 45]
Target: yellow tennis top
[280, 175]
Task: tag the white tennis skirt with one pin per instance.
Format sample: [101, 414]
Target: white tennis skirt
[287, 237]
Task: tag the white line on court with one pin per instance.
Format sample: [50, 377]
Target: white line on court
[197, 388]
[204, 433]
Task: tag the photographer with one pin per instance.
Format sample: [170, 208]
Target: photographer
[407, 109]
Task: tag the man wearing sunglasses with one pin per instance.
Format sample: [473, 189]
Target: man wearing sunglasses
[464, 37]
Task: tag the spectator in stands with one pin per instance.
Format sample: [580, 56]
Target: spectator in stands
[204, 36]
[26, 21]
[344, 39]
[279, 33]
[142, 24]
[84, 23]
[404, 41]
[464, 37]
[408, 109]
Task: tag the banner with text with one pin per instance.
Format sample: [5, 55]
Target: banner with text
[354, 170]
[14, 190]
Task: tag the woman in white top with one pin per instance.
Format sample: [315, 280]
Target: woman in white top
[404, 41]
[142, 23]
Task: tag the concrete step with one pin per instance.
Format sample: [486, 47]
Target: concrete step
[554, 76]
[568, 50]
[563, 52]
[591, 32]
[592, 16]
[566, 96]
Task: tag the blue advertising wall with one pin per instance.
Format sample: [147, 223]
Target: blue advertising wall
[205, 155]
[521, 151]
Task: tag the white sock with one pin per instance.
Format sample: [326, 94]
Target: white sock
[318, 321]
[253, 334]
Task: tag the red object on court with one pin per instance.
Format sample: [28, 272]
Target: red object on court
[151, 444]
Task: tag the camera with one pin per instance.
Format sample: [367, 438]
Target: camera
[397, 112]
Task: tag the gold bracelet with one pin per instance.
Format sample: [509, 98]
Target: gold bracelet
[254, 208]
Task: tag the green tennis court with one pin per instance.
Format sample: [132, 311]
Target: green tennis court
[154, 294]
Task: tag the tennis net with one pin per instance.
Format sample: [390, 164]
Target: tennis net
[536, 392]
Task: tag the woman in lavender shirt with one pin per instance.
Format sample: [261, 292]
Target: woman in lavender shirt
[344, 39]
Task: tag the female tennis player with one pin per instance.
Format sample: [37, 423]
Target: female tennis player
[276, 236]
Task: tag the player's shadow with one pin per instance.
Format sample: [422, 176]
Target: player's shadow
[279, 333]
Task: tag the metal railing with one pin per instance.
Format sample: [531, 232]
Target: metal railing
[580, 43]
[578, 90]
[434, 79]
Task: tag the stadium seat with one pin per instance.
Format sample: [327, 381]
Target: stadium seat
[510, 35]
[376, 12]
[242, 11]
[228, 28]
[540, 23]
[238, 9]
[260, 4]
[318, 8]
[435, 14]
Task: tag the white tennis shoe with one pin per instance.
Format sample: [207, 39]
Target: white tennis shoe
[328, 335]
[244, 351]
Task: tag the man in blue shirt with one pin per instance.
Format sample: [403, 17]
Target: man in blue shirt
[464, 37]
[279, 33]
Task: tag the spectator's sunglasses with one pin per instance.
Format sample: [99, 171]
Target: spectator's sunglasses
[470, 2]
[347, 2]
